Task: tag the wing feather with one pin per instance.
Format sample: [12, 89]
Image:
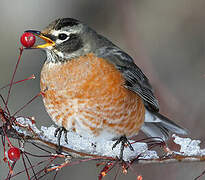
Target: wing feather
[135, 80]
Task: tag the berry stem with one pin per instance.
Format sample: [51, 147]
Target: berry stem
[17, 82]
[26, 104]
[9, 142]
[24, 163]
[3, 142]
[12, 79]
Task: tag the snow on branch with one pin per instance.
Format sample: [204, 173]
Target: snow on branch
[77, 145]
[87, 147]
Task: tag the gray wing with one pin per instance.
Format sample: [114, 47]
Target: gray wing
[135, 80]
[155, 124]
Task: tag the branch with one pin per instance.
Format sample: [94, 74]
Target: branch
[80, 147]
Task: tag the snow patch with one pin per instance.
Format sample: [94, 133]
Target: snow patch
[98, 147]
[189, 147]
[89, 145]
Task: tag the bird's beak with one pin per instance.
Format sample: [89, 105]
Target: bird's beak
[49, 41]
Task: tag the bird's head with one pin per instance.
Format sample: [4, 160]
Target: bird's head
[65, 39]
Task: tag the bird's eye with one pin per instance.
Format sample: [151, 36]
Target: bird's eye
[62, 36]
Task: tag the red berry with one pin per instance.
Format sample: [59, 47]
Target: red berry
[14, 153]
[28, 39]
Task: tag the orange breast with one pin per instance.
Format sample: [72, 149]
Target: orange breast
[87, 94]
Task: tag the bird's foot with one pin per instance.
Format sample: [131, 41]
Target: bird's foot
[58, 134]
[124, 142]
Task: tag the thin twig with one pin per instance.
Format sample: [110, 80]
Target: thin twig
[24, 163]
[12, 79]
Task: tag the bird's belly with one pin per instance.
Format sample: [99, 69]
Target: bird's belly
[90, 98]
[93, 117]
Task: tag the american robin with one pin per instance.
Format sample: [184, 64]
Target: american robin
[92, 87]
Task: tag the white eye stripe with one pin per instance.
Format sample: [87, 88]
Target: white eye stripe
[58, 41]
[56, 33]
[68, 31]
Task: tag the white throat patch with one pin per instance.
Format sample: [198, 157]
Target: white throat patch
[60, 54]
[51, 56]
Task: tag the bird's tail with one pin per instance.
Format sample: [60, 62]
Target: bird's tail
[157, 125]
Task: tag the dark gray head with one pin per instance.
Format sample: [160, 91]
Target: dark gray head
[67, 38]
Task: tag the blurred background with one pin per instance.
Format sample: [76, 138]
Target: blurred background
[166, 40]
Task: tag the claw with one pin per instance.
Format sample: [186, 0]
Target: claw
[124, 142]
[58, 133]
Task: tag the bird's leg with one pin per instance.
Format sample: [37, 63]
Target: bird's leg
[58, 133]
[124, 142]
